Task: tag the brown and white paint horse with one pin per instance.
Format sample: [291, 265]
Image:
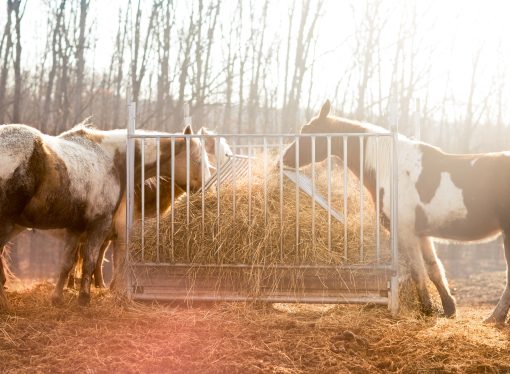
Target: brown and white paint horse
[458, 197]
[76, 181]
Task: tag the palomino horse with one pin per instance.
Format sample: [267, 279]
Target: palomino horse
[446, 196]
[76, 181]
[214, 148]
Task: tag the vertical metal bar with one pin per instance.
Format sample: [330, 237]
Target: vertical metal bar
[203, 165]
[218, 182]
[249, 181]
[142, 195]
[280, 148]
[234, 178]
[328, 150]
[187, 190]
[361, 194]
[130, 176]
[377, 202]
[265, 182]
[346, 172]
[313, 192]
[297, 194]
[158, 171]
[394, 302]
[172, 197]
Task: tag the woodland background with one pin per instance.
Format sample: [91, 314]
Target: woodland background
[248, 67]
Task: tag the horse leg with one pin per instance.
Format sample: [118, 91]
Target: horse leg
[8, 232]
[418, 274]
[499, 313]
[69, 259]
[437, 276]
[98, 271]
[71, 282]
[4, 304]
[96, 236]
[119, 280]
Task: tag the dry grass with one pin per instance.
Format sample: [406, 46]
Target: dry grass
[117, 337]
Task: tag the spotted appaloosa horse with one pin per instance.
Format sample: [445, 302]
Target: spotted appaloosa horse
[459, 197]
[76, 181]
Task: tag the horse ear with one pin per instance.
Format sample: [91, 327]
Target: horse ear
[188, 130]
[210, 145]
[326, 108]
[204, 131]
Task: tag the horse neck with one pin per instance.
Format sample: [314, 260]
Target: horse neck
[373, 161]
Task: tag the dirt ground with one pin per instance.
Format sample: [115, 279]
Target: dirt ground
[113, 336]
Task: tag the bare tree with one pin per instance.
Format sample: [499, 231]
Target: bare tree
[80, 59]
[141, 51]
[304, 41]
[5, 47]
[166, 23]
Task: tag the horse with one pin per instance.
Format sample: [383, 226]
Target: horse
[76, 181]
[215, 149]
[452, 197]
[214, 154]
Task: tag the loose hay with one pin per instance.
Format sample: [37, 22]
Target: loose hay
[261, 231]
[240, 338]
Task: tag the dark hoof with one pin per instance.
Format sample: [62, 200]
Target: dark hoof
[57, 301]
[450, 310]
[4, 304]
[84, 299]
[71, 285]
[450, 313]
[493, 320]
[428, 310]
[99, 285]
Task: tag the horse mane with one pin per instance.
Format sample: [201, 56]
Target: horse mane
[84, 126]
[378, 151]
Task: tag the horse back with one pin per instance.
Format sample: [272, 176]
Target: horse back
[21, 168]
[56, 183]
[462, 197]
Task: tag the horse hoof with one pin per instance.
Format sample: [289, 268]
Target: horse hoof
[84, 299]
[450, 312]
[450, 315]
[494, 320]
[100, 285]
[428, 310]
[4, 304]
[57, 301]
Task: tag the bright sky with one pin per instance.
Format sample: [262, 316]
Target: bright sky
[451, 32]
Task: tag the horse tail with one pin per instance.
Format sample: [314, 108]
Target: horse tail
[5, 266]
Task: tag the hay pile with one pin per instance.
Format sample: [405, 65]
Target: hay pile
[261, 233]
[255, 233]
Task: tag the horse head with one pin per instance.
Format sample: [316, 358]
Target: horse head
[191, 161]
[216, 147]
[299, 153]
